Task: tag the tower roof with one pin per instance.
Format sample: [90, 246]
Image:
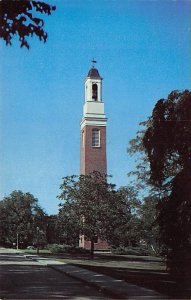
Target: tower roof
[93, 73]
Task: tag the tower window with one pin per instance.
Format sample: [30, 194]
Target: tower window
[95, 137]
[94, 91]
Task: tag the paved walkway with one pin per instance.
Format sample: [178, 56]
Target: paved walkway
[25, 278]
[113, 287]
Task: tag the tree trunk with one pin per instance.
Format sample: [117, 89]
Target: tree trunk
[92, 248]
[37, 242]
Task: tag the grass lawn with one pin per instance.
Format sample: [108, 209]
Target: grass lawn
[146, 271]
[34, 251]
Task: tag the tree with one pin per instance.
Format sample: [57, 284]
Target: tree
[136, 148]
[149, 224]
[128, 233]
[20, 215]
[167, 138]
[167, 145]
[52, 229]
[21, 18]
[91, 206]
[175, 226]
[68, 225]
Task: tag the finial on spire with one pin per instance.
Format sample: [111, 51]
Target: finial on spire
[93, 62]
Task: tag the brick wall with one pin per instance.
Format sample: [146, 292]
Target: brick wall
[93, 158]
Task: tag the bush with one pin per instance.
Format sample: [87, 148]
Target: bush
[59, 249]
[55, 248]
[131, 251]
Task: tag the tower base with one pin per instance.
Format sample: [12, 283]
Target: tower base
[98, 245]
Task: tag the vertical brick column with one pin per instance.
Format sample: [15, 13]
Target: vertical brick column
[93, 158]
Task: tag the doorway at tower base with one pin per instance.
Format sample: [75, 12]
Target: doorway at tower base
[98, 245]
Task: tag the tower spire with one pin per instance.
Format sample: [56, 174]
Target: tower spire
[93, 62]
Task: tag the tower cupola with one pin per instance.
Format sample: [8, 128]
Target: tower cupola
[93, 86]
[93, 110]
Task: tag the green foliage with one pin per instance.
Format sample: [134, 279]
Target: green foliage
[131, 251]
[141, 228]
[92, 207]
[163, 152]
[141, 174]
[64, 248]
[128, 232]
[166, 145]
[167, 138]
[149, 228]
[20, 214]
[175, 226]
[21, 18]
[85, 199]
[56, 248]
[52, 229]
[68, 225]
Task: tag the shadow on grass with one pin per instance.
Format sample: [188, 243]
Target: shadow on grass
[135, 258]
[156, 278]
[105, 257]
[151, 279]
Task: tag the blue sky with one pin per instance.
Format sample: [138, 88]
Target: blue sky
[143, 49]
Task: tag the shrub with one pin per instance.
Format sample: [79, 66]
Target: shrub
[58, 249]
[55, 248]
[131, 251]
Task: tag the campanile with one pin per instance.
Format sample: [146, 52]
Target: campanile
[93, 126]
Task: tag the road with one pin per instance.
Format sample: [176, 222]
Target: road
[22, 278]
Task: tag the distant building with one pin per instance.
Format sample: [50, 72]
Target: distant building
[93, 137]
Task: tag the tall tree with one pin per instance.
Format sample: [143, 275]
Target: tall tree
[149, 224]
[21, 18]
[167, 144]
[20, 215]
[167, 138]
[68, 225]
[92, 205]
[150, 194]
[128, 233]
[141, 173]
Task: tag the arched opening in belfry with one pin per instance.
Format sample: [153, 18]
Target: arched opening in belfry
[94, 91]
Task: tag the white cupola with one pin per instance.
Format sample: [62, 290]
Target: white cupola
[93, 110]
[93, 86]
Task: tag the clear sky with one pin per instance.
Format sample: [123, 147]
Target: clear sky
[143, 49]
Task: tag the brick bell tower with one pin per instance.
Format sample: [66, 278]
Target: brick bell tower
[93, 126]
[93, 137]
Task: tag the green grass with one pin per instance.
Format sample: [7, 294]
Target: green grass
[34, 251]
[146, 271]
[123, 264]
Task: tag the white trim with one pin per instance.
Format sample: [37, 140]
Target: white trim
[93, 122]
